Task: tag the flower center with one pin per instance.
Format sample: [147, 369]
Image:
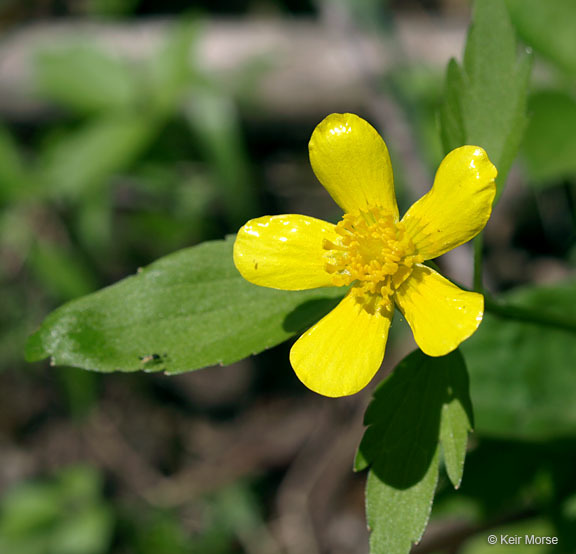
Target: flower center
[373, 254]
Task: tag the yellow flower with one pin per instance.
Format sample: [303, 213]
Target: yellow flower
[374, 252]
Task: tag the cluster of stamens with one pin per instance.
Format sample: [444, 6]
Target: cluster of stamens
[373, 254]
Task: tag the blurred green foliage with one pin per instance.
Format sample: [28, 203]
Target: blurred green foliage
[225, 518]
[529, 365]
[137, 160]
[115, 178]
[519, 487]
[548, 27]
[553, 117]
[108, 166]
[67, 513]
[549, 145]
[63, 515]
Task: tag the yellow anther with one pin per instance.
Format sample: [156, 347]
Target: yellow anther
[373, 254]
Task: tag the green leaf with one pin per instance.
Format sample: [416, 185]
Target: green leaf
[397, 517]
[550, 143]
[424, 403]
[85, 79]
[486, 98]
[186, 311]
[522, 373]
[548, 27]
[456, 420]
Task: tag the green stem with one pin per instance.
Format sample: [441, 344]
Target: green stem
[528, 315]
[517, 313]
[478, 246]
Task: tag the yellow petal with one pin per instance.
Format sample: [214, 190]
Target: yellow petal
[458, 205]
[284, 252]
[343, 351]
[440, 314]
[351, 160]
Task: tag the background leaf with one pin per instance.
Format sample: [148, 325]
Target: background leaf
[85, 159]
[172, 71]
[550, 143]
[522, 374]
[423, 402]
[486, 97]
[548, 27]
[85, 78]
[62, 272]
[214, 122]
[185, 311]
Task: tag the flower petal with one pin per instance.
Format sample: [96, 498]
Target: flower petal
[457, 207]
[351, 160]
[440, 314]
[284, 252]
[343, 351]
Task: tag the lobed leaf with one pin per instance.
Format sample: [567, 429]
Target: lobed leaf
[424, 403]
[185, 311]
[485, 98]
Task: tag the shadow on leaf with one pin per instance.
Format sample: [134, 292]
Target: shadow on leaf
[405, 415]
